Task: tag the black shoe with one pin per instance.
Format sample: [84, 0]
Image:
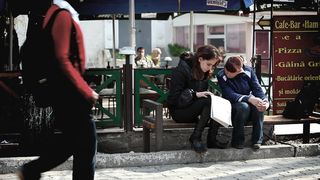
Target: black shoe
[197, 145]
[238, 146]
[23, 175]
[218, 144]
[256, 146]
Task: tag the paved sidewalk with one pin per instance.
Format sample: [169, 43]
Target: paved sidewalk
[277, 168]
[301, 161]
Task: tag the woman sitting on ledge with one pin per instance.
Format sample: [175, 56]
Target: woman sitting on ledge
[189, 99]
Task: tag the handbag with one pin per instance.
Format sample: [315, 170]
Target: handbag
[304, 102]
[186, 98]
[295, 110]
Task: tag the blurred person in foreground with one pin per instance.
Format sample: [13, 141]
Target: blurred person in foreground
[240, 85]
[72, 106]
[189, 99]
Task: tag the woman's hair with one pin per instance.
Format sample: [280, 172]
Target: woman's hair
[206, 52]
[155, 56]
[155, 52]
[233, 63]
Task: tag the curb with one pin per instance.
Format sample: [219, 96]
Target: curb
[10, 165]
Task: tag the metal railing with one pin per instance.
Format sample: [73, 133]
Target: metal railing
[148, 84]
[109, 87]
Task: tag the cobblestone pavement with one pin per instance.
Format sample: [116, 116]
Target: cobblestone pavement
[277, 168]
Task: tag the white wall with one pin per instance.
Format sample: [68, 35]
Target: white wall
[94, 39]
[161, 32]
[209, 19]
[98, 36]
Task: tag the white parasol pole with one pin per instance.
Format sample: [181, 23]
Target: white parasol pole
[132, 28]
[114, 41]
[191, 31]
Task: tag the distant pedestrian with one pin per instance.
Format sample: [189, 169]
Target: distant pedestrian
[71, 105]
[141, 61]
[239, 84]
[156, 56]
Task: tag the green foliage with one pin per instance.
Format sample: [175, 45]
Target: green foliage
[119, 56]
[176, 49]
[148, 57]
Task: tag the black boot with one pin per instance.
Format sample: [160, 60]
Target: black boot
[212, 141]
[195, 141]
[195, 138]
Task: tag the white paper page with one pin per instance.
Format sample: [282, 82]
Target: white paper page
[221, 110]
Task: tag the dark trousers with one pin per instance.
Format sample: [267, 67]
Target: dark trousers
[191, 113]
[242, 113]
[77, 139]
[197, 111]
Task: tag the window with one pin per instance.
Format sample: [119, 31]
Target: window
[182, 36]
[235, 38]
[216, 36]
[199, 36]
[262, 48]
[230, 38]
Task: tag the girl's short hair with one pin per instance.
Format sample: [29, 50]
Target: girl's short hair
[233, 63]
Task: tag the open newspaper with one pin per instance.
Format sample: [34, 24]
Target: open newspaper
[221, 110]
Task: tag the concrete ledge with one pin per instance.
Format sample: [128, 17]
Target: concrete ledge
[10, 165]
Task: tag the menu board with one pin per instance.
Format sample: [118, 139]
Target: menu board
[296, 56]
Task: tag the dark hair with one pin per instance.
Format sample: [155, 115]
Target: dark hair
[207, 52]
[140, 48]
[37, 11]
[186, 55]
[233, 63]
[74, 3]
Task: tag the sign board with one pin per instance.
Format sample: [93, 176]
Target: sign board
[296, 56]
[219, 3]
[264, 22]
[284, 1]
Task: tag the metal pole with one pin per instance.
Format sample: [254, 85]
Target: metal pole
[258, 67]
[132, 29]
[114, 41]
[127, 83]
[191, 30]
[128, 73]
[11, 42]
[254, 29]
[318, 7]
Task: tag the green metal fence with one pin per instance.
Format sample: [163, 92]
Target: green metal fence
[148, 84]
[107, 83]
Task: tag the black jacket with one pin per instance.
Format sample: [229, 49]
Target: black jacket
[181, 79]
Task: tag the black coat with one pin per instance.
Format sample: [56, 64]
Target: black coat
[181, 79]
